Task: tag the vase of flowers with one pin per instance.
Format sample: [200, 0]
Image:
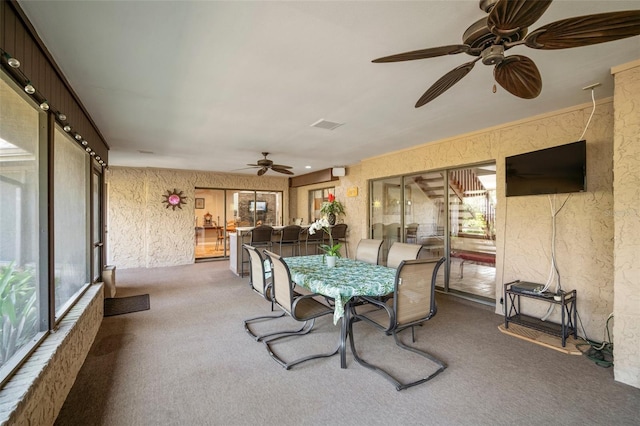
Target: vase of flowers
[331, 251]
[332, 209]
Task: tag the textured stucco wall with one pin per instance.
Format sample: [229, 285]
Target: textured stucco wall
[355, 207]
[36, 393]
[626, 213]
[584, 233]
[142, 232]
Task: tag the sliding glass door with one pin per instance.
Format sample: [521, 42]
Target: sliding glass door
[472, 206]
[450, 213]
[219, 212]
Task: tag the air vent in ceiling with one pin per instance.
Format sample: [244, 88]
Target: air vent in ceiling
[324, 124]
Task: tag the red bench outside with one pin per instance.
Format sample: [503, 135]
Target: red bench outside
[488, 259]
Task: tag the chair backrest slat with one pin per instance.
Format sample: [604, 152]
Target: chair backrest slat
[290, 233]
[368, 250]
[256, 277]
[402, 251]
[414, 294]
[261, 234]
[281, 278]
[339, 231]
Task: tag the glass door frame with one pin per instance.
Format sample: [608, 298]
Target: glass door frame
[378, 201]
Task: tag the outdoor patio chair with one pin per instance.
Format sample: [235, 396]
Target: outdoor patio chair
[304, 308]
[368, 250]
[262, 286]
[402, 251]
[412, 304]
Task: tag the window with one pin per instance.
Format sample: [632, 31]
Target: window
[20, 271]
[253, 208]
[27, 279]
[316, 198]
[70, 177]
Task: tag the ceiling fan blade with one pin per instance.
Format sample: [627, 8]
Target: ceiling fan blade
[519, 76]
[262, 171]
[445, 82]
[279, 170]
[253, 165]
[280, 166]
[509, 16]
[425, 53]
[585, 30]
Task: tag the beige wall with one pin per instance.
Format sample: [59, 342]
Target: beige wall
[36, 392]
[626, 170]
[584, 232]
[585, 229]
[142, 232]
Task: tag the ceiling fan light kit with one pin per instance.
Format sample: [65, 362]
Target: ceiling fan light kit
[506, 26]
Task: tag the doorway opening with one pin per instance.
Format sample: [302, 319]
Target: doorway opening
[211, 240]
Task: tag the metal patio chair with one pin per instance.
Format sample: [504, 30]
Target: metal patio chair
[302, 308]
[368, 250]
[413, 303]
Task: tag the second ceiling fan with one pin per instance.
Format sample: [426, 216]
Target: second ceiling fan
[506, 26]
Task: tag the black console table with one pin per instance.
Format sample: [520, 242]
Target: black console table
[566, 301]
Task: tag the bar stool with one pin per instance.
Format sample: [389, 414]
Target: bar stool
[260, 237]
[290, 236]
[313, 240]
[339, 235]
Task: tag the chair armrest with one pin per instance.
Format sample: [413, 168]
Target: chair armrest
[382, 305]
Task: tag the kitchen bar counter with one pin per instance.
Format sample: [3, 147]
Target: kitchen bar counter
[243, 236]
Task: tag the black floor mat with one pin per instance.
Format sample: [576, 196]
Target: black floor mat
[126, 305]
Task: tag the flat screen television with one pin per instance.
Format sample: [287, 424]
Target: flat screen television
[258, 206]
[555, 170]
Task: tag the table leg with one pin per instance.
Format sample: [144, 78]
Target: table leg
[344, 331]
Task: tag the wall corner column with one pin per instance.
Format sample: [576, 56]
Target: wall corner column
[626, 211]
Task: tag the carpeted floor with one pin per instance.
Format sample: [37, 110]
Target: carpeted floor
[188, 361]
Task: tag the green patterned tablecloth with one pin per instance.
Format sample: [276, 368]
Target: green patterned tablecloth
[348, 279]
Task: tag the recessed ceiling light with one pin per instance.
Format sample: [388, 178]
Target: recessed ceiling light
[307, 167]
[324, 124]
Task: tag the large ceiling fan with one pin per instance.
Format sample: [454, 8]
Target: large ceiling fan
[506, 26]
[266, 164]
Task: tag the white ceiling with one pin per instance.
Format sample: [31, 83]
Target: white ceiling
[208, 85]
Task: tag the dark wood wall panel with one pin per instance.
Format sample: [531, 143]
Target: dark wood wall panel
[17, 39]
[319, 176]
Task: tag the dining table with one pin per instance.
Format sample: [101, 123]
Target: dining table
[343, 283]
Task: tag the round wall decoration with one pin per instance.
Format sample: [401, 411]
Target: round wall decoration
[174, 199]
